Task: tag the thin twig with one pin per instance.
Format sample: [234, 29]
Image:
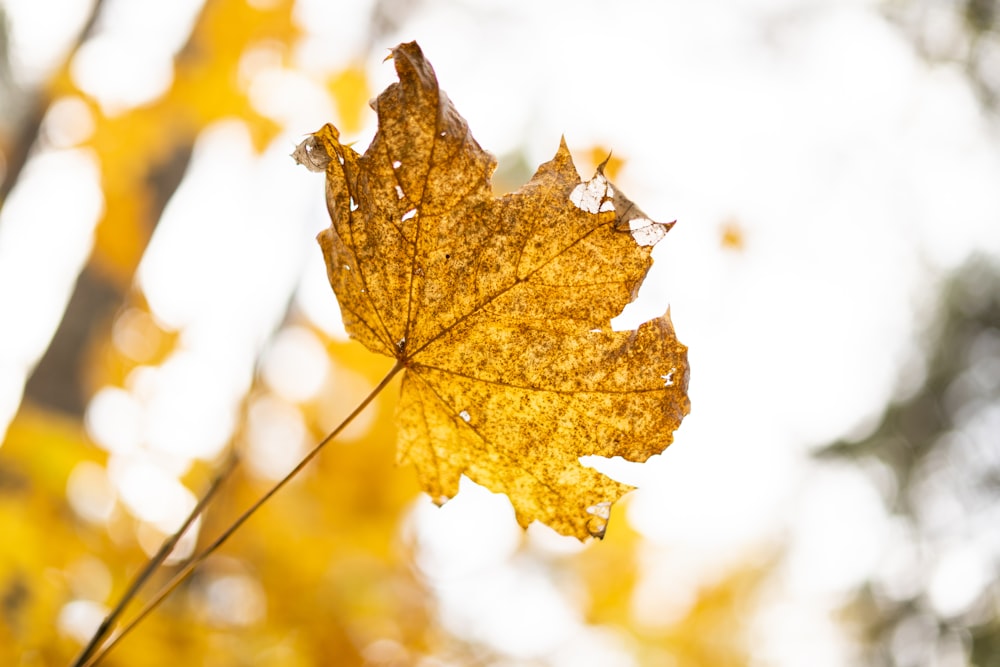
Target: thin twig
[151, 566]
[200, 557]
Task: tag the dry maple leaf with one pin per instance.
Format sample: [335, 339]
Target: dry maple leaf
[498, 310]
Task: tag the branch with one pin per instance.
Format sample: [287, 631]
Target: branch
[200, 557]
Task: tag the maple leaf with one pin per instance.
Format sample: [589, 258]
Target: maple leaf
[497, 309]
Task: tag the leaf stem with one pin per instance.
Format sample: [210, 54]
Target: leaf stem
[151, 566]
[200, 557]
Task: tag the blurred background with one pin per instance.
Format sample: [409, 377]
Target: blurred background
[833, 497]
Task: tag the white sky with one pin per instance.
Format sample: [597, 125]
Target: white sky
[857, 173]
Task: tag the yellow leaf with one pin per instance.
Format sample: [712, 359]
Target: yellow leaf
[498, 309]
[732, 236]
[41, 537]
[350, 92]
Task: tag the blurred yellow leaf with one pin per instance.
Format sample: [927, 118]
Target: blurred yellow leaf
[712, 628]
[732, 235]
[350, 91]
[143, 152]
[40, 538]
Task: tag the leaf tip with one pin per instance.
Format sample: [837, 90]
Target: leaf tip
[562, 162]
[411, 65]
[600, 167]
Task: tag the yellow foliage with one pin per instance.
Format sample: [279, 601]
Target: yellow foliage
[143, 151]
[732, 236]
[350, 91]
[714, 630]
[41, 536]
